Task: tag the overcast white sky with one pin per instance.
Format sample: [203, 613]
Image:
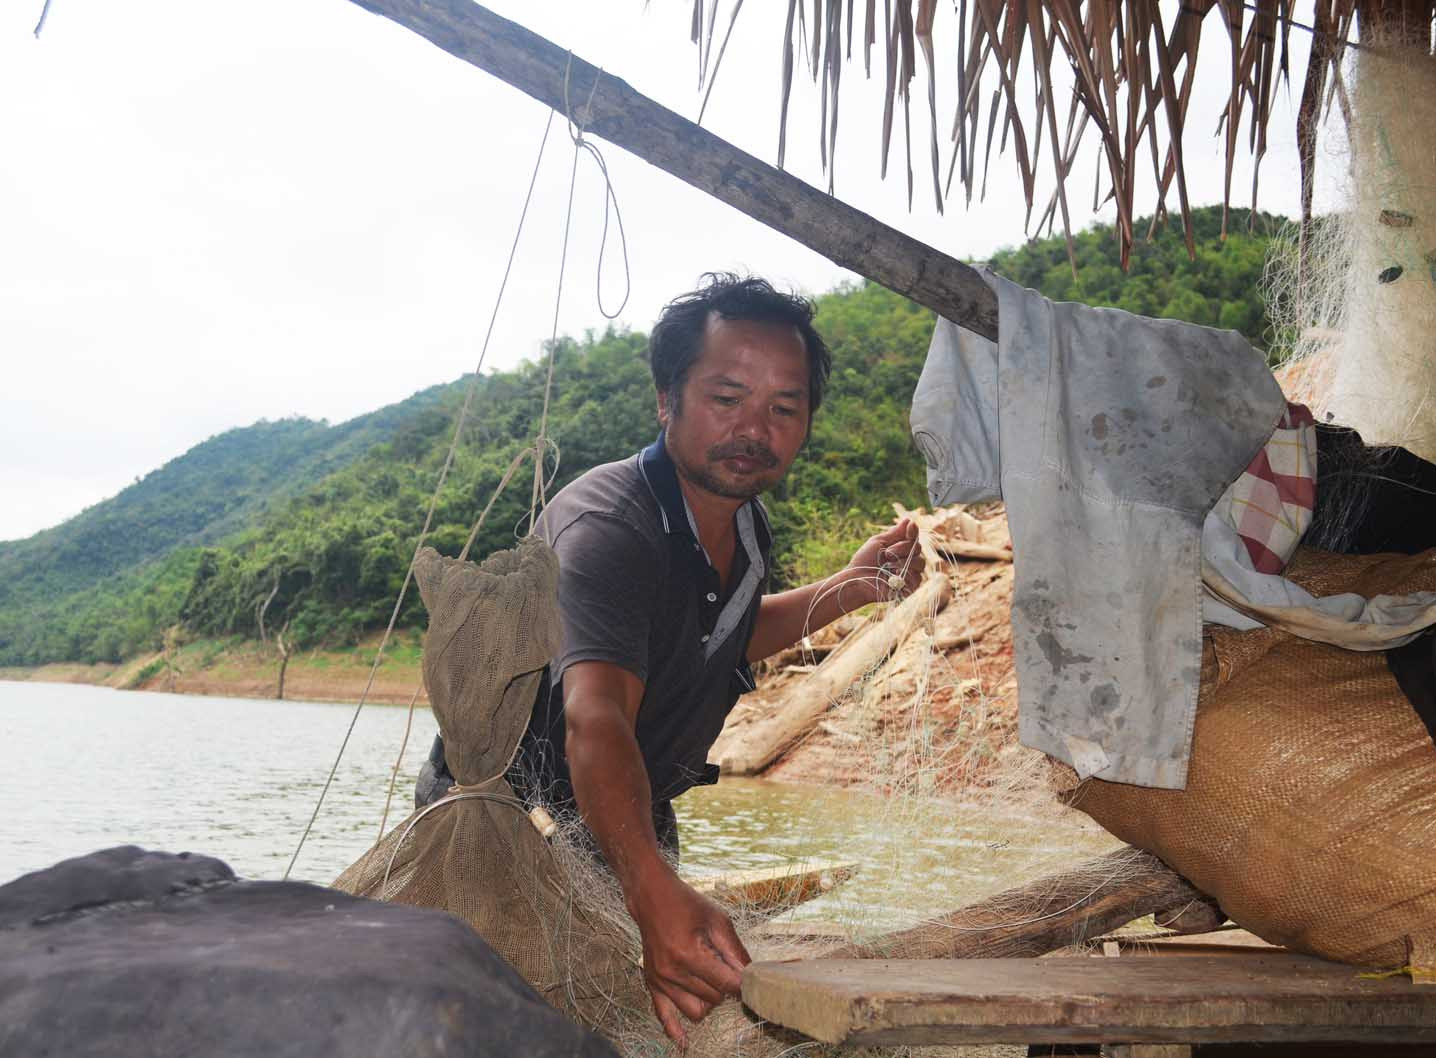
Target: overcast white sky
[215, 212]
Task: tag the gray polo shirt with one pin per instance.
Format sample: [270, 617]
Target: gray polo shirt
[637, 590]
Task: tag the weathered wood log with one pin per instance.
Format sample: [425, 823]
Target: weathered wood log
[952, 534]
[622, 116]
[752, 748]
[964, 549]
[1199, 916]
[1042, 916]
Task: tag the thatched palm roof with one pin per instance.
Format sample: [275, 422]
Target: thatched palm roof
[1133, 73]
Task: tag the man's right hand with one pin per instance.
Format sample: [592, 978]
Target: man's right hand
[692, 956]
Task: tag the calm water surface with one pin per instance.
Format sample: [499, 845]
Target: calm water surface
[90, 767]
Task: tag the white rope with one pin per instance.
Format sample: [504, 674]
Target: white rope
[542, 442]
[428, 518]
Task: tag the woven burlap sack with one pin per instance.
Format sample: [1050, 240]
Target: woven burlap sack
[1310, 807]
[492, 629]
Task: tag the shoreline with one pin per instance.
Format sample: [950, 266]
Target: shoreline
[243, 668]
[937, 716]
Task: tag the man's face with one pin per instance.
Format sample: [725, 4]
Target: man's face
[744, 410]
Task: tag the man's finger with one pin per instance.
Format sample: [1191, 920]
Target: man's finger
[668, 1018]
[688, 1004]
[904, 530]
[724, 939]
[705, 982]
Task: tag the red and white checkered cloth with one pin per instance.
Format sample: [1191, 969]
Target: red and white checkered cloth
[1269, 505]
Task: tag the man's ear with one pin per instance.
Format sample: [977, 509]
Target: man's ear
[665, 408]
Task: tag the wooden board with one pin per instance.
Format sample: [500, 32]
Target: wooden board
[1133, 999]
[775, 888]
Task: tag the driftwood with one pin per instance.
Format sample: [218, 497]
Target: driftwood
[1042, 916]
[962, 549]
[750, 749]
[765, 891]
[615, 112]
[952, 533]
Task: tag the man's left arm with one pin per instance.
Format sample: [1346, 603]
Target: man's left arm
[785, 617]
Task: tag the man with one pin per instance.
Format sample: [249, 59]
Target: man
[663, 560]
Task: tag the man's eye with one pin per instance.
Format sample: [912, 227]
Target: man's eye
[784, 410]
[728, 401]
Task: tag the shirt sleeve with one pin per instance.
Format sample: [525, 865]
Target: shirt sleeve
[608, 590]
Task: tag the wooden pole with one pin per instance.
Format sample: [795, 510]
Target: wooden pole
[622, 116]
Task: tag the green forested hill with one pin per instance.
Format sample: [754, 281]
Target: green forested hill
[57, 588]
[324, 518]
[1220, 288]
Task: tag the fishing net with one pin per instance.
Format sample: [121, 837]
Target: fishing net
[545, 904]
[1310, 807]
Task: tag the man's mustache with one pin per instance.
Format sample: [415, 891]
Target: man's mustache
[745, 449]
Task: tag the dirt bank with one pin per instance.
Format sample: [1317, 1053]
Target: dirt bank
[939, 717]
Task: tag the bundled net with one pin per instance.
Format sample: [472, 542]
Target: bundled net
[492, 630]
[1310, 807]
[1352, 295]
[1384, 382]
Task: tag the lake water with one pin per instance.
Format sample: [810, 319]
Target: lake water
[89, 767]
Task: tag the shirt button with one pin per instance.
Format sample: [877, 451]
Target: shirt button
[712, 596]
[703, 640]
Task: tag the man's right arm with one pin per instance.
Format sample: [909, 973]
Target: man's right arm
[692, 956]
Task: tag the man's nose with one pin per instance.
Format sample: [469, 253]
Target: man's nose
[752, 425]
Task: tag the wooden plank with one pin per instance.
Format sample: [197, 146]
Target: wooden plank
[1134, 999]
[1314, 1050]
[774, 889]
[622, 116]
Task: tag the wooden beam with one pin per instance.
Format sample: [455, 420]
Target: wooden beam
[622, 116]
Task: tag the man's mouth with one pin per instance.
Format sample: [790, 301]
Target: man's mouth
[744, 459]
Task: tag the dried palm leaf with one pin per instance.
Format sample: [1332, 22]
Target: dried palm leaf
[1132, 83]
[718, 62]
[787, 83]
[927, 10]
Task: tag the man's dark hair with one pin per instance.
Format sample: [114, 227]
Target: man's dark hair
[677, 337]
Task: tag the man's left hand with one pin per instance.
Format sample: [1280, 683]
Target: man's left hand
[889, 566]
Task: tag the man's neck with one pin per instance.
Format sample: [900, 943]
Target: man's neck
[713, 516]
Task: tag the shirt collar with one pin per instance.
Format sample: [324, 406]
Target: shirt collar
[661, 476]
